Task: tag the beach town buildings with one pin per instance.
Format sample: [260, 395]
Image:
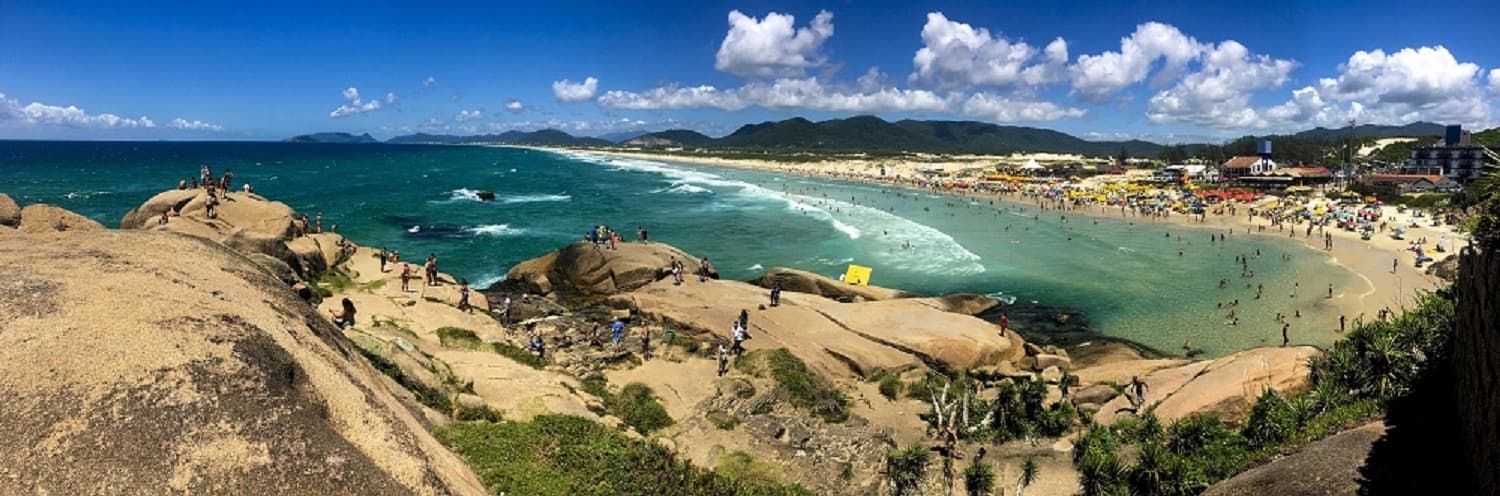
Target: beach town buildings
[1242, 166]
[1456, 158]
[1178, 172]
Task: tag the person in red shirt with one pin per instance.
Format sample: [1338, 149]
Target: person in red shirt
[1004, 323]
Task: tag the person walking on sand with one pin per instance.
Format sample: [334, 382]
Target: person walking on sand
[1341, 322]
[1395, 262]
[383, 255]
[405, 278]
[744, 319]
[1284, 339]
[739, 337]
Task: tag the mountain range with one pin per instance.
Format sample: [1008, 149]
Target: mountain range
[865, 134]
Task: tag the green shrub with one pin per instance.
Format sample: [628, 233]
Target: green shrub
[1272, 420]
[744, 469]
[722, 420]
[890, 387]
[432, 398]
[804, 388]
[458, 337]
[979, 479]
[465, 413]
[332, 281]
[906, 467]
[638, 407]
[523, 356]
[560, 455]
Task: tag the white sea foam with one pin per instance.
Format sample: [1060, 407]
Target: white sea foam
[927, 249]
[683, 189]
[756, 267]
[466, 194]
[498, 230]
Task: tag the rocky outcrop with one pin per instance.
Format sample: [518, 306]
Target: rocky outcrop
[1226, 386]
[41, 218]
[585, 269]
[1329, 466]
[837, 339]
[149, 363]
[800, 281]
[246, 222]
[10, 213]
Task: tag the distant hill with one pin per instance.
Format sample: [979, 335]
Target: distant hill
[332, 138]
[869, 133]
[548, 137]
[672, 137]
[621, 136]
[1415, 129]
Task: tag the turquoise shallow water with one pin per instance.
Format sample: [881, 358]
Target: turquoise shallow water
[1127, 277]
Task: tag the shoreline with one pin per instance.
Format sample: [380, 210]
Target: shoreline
[1368, 260]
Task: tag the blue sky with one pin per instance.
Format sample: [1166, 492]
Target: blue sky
[1166, 71]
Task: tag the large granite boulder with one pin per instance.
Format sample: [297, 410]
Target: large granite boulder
[42, 218]
[1226, 386]
[1329, 466]
[143, 363]
[840, 340]
[583, 268]
[246, 222]
[801, 281]
[10, 213]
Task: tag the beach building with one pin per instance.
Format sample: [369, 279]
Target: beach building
[1242, 166]
[1456, 158]
[1285, 177]
[1177, 173]
[1401, 184]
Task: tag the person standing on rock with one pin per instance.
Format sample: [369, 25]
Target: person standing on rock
[645, 342]
[1284, 339]
[463, 297]
[776, 294]
[431, 267]
[505, 312]
[383, 254]
[319, 225]
[704, 269]
[617, 332]
[1004, 323]
[676, 271]
[594, 335]
[1140, 388]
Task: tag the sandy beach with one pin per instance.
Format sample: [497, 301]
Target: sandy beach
[1370, 259]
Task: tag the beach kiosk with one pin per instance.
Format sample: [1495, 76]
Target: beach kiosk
[857, 275]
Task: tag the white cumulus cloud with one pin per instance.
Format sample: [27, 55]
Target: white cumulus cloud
[999, 108]
[1099, 77]
[429, 82]
[786, 93]
[42, 114]
[194, 125]
[1218, 94]
[468, 115]
[390, 97]
[355, 105]
[514, 105]
[568, 91]
[957, 55]
[1411, 84]
[772, 46]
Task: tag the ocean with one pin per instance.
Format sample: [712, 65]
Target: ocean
[1126, 275]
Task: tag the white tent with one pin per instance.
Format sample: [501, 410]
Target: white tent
[1031, 165]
